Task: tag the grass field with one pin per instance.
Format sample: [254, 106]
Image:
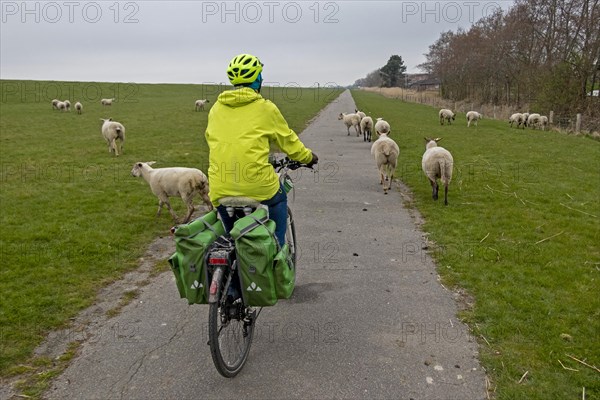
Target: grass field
[521, 235]
[72, 217]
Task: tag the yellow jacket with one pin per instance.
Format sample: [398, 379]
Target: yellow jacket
[241, 127]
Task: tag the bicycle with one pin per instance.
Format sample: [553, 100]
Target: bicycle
[231, 321]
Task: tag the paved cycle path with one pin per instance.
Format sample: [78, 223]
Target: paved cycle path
[368, 319]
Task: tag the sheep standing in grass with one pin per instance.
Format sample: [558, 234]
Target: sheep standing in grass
[113, 131]
[517, 118]
[543, 122]
[533, 120]
[107, 102]
[351, 120]
[67, 105]
[174, 181]
[78, 107]
[61, 106]
[437, 164]
[385, 151]
[446, 115]
[55, 104]
[473, 116]
[200, 104]
[366, 126]
[525, 118]
[382, 126]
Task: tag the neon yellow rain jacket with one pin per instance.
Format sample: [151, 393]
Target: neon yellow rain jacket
[241, 127]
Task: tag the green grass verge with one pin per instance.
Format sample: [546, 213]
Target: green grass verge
[521, 235]
[73, 219]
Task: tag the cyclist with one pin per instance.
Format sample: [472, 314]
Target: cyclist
[241, 127]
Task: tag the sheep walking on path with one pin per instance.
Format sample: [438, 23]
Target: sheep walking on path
[113, 131]
[366, 126]
[437, 164]
[351, 120]
[174, 181]
[385, 151]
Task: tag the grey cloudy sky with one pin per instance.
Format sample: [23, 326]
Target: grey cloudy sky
[300, 42]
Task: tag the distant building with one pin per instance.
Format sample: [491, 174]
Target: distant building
[422, 82]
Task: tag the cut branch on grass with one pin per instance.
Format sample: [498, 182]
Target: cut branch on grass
[583, 212]
[584, 363]
[550, 237]
[486, 236]
[523, 377]
[567, 368]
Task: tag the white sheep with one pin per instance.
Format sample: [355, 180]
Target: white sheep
[473, 116]
[543, 122]
[67, 105]
[78, 107]
[437, 164]
[382, 126]
[517, 118]
[360, 113]
[366, 126]
[61, 105]
[533, 120]
[385, 151]
[446, 115]
[113, 131]
[107, 102]
[174, 181]
[200, 104]
[351, 120]
[525, 118]
[55, 103]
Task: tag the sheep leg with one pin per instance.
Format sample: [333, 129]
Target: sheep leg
[164, 200]
[113, 144]
[446, 194]
[434, 188]
[207, 201]
[357, 128]
[348, 128]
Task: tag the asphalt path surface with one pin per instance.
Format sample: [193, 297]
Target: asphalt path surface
[368, 318]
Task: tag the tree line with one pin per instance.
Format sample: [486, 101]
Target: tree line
[544, 54]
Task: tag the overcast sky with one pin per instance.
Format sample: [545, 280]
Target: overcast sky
[300, 42]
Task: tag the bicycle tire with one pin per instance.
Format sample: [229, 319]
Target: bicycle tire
[290, 237]
[228, 338]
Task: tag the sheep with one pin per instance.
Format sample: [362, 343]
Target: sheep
[78, 107]
[55, 103]
[382, 126]
[446, 114]
[351, 120]
[517, 118]
[525, 117]
[113, 131]
[67, 105]
[61, 105]
[360, 113]
[473, 116]
[107, 102]
[533, 119]
[437, 163]
[543, 122]
[385, 151]
[174, 181]
[200, 104]
[366, 126]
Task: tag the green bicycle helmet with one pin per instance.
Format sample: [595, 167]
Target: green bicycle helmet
[244, 69]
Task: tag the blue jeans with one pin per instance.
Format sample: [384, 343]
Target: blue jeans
[277, 212]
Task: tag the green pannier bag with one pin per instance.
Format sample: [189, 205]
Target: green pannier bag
[256, 247]
[284, 274]
[191, 242]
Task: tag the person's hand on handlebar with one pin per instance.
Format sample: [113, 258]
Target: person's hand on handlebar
[314, 160]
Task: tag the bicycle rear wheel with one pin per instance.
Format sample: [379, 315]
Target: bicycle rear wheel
[290, 237]
[230, 332]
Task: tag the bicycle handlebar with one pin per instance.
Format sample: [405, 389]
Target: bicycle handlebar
[287, 163]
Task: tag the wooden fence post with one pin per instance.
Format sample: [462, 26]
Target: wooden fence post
[578, 123]
[551, 118]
